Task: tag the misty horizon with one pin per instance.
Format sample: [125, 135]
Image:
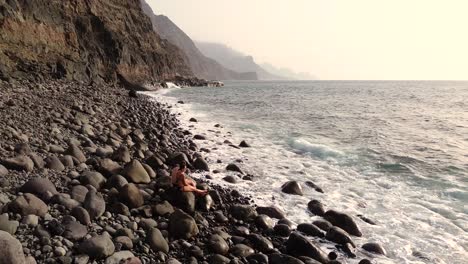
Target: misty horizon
[335, 40]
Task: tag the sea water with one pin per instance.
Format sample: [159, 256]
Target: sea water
[395, 152]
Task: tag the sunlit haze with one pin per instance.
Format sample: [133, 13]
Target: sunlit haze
[336, 39]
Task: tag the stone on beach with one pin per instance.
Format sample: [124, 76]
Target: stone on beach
[136, 173]
[292, 187]
[343, 221]
[42, 187]
[11, 251]
[182, 225]
[97, 247]
[19, 163]
[28, 204]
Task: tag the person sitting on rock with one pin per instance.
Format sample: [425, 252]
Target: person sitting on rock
[182, 182]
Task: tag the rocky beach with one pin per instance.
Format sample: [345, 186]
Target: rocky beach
[84, 178]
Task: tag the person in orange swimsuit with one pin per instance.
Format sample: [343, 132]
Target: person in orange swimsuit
[182, 182]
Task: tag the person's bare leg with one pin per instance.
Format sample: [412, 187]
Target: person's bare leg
[189, 188]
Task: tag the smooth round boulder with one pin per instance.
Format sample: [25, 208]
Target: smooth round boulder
[316, 207]
[54, 163]
[298, 245]
[244, 144]
[241, 250]
[136, 173]
[271, 211]
[283, 259]
[374, 248]
[182, 225]
[163, 209]
[78, 193]
[310, 230]
[93, 178]
[292, 187]
[322, 224]
[243, 212]
[94, 203]
[218, 245]
[264, 222]
[28, 204]
[131, 196]
[157, 241]
[201, 164]
[260, 243]
[76, 152]
[282, 230]
[231, 179]
[234, 167]
[19, 163]
[119, 257]
[339, 236]
[97, 247]
[41, 187]
[343, 221]
[11, 250]
[74, 231]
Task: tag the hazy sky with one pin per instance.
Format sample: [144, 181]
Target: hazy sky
[336, 39]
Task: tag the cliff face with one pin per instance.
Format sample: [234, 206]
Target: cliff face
[201, 65]
[84, 40]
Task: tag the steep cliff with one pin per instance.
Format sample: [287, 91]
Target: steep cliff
[84, 40]
[201, 65]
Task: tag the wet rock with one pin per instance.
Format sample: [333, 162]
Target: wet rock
[94, 203]
[271, 211]
[338, 235]
[282, 230]
[241, 250]
[243, 212]
[310, 230]
[136, 173]
[367, 220]
[28, 204]
[205, 203]
[201, 164]
[131, 196]
[19, 163]
[260, 243]
[218, 259]
[97, 247]
[93, 178]
[374, 248]
[199, 137]
[298, 245]
[314, 186]
[11, 251]
[193, 119]
[218, 245]
[182, 225]
[41, 187]
[316, 207]
[157, 242]
[292, 187]
[244, 144]
[264, 222]
[233, 167]
[343, 221]
[231, 179]
[365, 261]
[323, 224]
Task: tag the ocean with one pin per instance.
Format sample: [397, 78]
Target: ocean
[393, 151]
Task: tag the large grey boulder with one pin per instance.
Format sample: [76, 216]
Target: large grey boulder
[19, 163]
[157, 241]
[182, 225]
[11, 251]
[42, 187]
[97, 247]
[94, 203]
[28, 204]
[135, 172]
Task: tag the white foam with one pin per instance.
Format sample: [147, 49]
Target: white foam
[404, 225]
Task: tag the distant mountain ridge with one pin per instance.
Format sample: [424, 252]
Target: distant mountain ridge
[235, 60]
[200, 65]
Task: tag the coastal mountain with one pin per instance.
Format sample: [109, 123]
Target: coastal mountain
[201, 65]
[235, 60]
[288, 73]
[84, 40]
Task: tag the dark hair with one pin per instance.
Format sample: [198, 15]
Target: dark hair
[183, 165]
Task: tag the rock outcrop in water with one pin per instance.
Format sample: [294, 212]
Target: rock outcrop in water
[84, 40]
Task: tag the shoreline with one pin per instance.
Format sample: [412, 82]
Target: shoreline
[106, 156]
